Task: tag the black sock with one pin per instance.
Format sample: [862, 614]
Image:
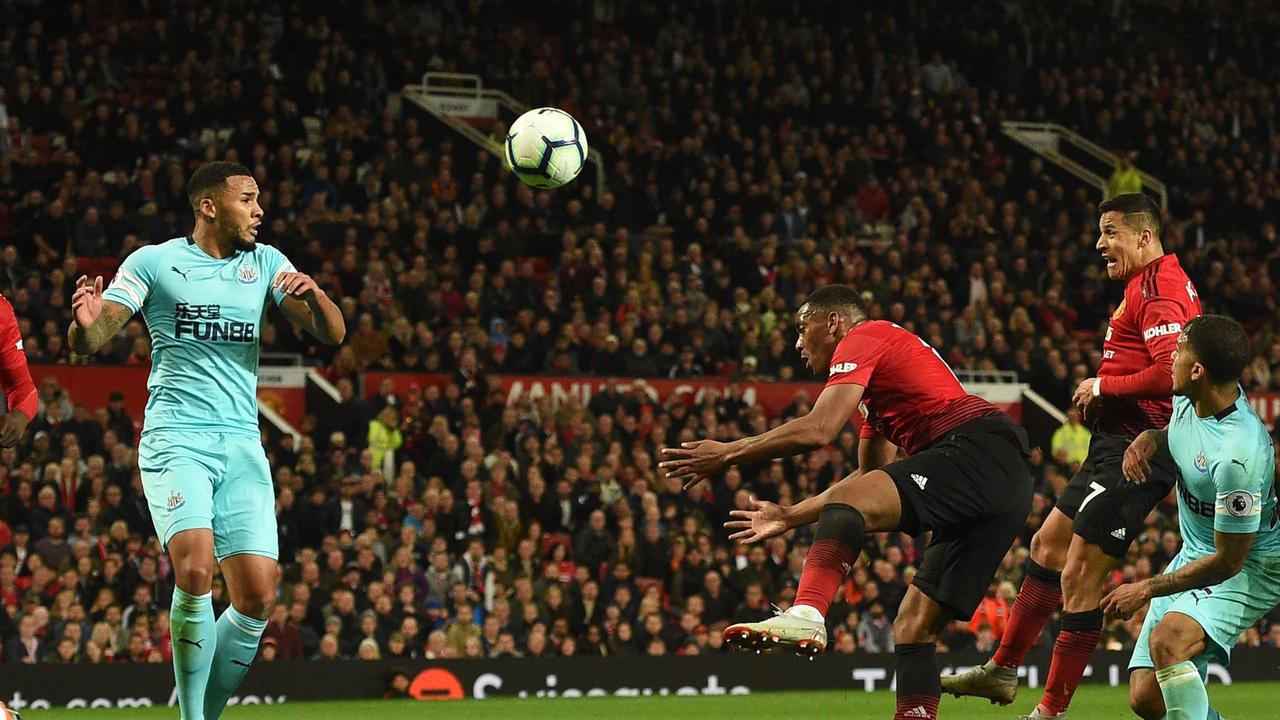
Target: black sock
[919, 684]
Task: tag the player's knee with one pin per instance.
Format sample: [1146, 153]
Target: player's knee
[1082, 585]
[917, 622]
[193, 576]
[1073, 579]
[906, 629]
[256, 604]
[842, 523]
[1168, 645]
[912, 629]
[1046, 552]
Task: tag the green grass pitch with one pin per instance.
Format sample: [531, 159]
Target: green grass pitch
[1242, 701]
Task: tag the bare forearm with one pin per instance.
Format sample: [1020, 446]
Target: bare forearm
[87, 341]
[873, 454]
[806, 511]
[1160, 437]
[327, 323]
[1201, 572]
[790, 438]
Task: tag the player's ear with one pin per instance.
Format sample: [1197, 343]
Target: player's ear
[1197, 371]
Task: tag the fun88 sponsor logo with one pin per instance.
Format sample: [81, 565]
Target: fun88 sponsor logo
[205, 323]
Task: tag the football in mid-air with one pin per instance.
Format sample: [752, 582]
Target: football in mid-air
[546, 148]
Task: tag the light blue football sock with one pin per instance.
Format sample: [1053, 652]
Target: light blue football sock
[238, 636]
[1185, 697]
[194, 641]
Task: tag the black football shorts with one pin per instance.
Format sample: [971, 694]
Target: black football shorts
[1105, 508]
[972, 488]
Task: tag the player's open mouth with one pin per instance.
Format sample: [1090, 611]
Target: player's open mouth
[1111, 261]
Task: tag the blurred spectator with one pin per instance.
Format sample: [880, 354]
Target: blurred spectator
[385, 438]
[875, 630]
[1125, 178]
[25, 647]
[1070, 443]
[730, 194]
[992, 615]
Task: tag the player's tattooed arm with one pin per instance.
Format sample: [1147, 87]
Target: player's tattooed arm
[1227, 559]
[88, 338]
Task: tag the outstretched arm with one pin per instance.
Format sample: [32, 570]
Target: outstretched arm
[874, 452]
[94, 320]
[762, 520]
[803, 434]
[700, 459]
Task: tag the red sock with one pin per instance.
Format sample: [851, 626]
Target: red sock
[1076, 641]
[916, 707]
[824, 569]
[1040, 595]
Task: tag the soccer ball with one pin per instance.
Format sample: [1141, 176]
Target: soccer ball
[546, 148]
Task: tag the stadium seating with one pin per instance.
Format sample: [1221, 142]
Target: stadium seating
[752, 156]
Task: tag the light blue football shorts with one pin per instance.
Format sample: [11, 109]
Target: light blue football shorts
[215, 480]
[1224, 611]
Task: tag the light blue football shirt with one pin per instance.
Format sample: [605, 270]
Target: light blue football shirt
[1227, 478]
[204, 316]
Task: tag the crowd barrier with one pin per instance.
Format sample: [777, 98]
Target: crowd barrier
[147, 685]
[92, 384]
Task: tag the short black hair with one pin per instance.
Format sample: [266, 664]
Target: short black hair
[1139, 209]
[838, 298]
[209, 176]
[1221, 345]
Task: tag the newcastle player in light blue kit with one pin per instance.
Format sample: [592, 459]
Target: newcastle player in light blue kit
[1227, 575]
[204, 472]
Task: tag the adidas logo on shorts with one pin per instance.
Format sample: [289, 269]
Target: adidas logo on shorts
[1118, 533]
[918, 711]
[920, 480]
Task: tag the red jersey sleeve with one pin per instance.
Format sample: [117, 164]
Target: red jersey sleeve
[866, 428]
[855, 359]
[1161, 320]
[15, 377]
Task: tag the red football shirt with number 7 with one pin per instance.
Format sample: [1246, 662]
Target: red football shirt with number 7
[912, 397]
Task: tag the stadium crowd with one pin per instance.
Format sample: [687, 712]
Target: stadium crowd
[750, 158]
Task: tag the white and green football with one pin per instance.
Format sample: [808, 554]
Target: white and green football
[546, 148]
